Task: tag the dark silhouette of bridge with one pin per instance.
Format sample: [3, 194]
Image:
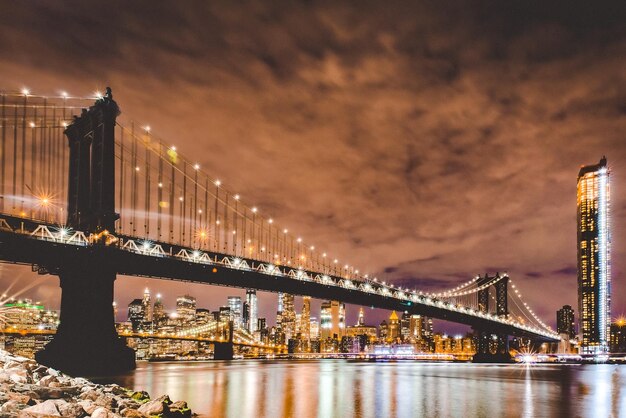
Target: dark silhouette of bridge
[174, 224]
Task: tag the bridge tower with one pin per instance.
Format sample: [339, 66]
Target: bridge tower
[86, 342]
[225, 350]
[492, 347]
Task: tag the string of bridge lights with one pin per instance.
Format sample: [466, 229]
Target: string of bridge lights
[450, 293]
[519, 295]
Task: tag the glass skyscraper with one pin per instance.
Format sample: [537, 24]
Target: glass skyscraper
[594, 258]
[253, 314]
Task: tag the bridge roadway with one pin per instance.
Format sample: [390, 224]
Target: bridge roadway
[47, 246]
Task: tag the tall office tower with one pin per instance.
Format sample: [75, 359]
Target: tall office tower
[236, 311]
[136, 313]
[289, 316]
[565, 321]
[253, 309]
[405, 326]
[246, 316]
[186, 309]
[305, 318]
[420, 327]
[333, 319]
[594, 258]
[325, 321]
[158, 315]
[314, 328]
[147, 306]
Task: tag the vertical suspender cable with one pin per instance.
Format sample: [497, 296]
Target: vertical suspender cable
[147, 187]
[3, 151]
[23, 168]
[133, 189]
[14, 190]
[122, 178]
[160, 190]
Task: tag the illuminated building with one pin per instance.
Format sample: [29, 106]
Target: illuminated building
[565, 321]
[617, 340]
[288, 320]
[158, 315]
[333, 320]
[305, 318]
[393, 332]
[246, 316]
[421, 331]
[147, 306]
[405, 328]
[594, 271]
[23, 315]
[203, 316]
[360, 329]
[114, 311]
[136, 313]
[236, 311]
[186, 309]
[383, 330]
[253, 309]
[314, 329]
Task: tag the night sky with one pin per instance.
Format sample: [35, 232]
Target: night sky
[426, 143]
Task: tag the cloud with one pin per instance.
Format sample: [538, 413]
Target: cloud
[412, 140]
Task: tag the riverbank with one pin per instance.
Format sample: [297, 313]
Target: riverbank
[28, 389]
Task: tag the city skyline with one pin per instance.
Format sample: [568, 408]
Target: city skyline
[431, 220]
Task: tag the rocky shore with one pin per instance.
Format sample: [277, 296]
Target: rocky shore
[30, 390]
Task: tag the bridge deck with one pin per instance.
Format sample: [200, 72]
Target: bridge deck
[19, 244]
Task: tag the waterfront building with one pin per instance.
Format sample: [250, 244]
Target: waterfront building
[288, 319]
[594, 271]
[24, 315]
[361, 329]
[147, 306]
[203, 316]
[405, 328]
[236, 311]
[305, 318]
[252, 309]
[136, 313]
[383, 331]
[158, 313]
[314, 329]
[565, 321]
[393, 333]
[186, 309]
[421, 332]
[333, 320]
[617, 339]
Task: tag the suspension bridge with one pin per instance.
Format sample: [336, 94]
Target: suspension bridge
[86, 197]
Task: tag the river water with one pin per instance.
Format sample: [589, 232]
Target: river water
[341, 388]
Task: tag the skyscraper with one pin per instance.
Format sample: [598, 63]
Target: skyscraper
[186, 308]
[333, 319]
[236, 311]
[594, 271]
[158, 315]
[565, 321]
[288, 316]
[305, 318]
[147, 306]
[253, 309]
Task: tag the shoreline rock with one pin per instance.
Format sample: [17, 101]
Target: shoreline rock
[30, 390]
